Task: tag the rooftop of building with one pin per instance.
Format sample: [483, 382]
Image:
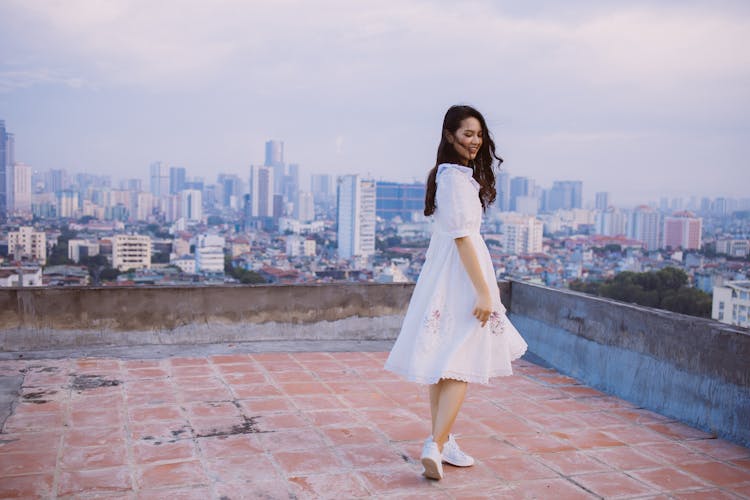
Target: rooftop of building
[184, 407]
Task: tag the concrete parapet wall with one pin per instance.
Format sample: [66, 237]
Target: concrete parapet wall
[69, 317]
[53, 318]
[695, 370]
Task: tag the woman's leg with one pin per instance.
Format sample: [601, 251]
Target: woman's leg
[450, 396]
[435, 402]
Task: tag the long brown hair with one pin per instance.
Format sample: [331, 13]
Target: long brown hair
[446, 153]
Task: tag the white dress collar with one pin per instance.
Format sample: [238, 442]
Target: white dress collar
[467, 171]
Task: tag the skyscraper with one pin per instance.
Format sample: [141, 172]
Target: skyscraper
[274, 153]
[304, 208]
[176, 179]
[4, 164]
[159, 185]
[644, 226]
[520, 186]
[565, 195]
[291, 182]
[522, 234]
[611, 222]
[275, 160]
[261, 191]
[356, 216]
[602, 201]
[394, 199]
[191, 207]
[503, 192]
[230, 191]
[682, 230]
[56, 180]
[19, 189]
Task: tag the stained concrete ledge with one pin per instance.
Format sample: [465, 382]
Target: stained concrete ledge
[36, 319]
[693, 369]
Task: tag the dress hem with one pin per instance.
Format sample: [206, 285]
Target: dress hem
[472, 378]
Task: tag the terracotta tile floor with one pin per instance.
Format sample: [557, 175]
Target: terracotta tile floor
[335, 425]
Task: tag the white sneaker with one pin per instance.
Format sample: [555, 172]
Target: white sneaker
[453, 455]
[431, 460]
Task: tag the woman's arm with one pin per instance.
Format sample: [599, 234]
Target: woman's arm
[483, 307]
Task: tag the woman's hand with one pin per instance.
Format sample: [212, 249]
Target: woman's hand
[483, 308]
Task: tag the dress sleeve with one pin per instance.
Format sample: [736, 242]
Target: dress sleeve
[455, 201]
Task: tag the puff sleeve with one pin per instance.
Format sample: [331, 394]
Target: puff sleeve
[456, 203]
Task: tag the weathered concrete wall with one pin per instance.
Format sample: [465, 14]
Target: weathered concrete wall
[692, 369]
[50, 318]
[68, 317]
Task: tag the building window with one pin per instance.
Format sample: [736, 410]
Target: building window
[721, 306]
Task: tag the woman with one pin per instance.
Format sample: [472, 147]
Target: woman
[455, 330]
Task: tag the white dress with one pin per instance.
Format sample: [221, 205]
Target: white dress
[440, 338]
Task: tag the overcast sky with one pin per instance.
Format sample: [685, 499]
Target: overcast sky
[638, 98]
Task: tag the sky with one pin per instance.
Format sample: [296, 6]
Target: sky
[642, 99]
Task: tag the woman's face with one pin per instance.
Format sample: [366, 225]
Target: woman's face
[467, 139]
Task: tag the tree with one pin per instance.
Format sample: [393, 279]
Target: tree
[664, 289]
[59, 253]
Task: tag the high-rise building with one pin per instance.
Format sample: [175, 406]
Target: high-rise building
[144, 206]
[27, 243]
[131, 251]
[56, 180]
[520, 186]
[67, 204]
[304, 208]
[503, 191]
[191, 207]
[682, 230]
[321, 185]
[230, 191]
[644, 226]
[731, 303]
[290, 185]
[522, 234]
[4, 165]
[611, 222]
[275, 160]
[261, 190]
[356, 216]
[176, 179]
[159, 180]
[602, 201]
[19, 189]
[274, 153]
[396, 199]
[565, 195]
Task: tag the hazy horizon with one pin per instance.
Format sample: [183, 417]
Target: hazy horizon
[642, 100]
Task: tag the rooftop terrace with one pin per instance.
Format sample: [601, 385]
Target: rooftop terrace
[266, 404]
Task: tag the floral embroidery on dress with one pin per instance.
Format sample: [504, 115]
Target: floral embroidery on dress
[432, 321]
[430, 334]
[496, 323]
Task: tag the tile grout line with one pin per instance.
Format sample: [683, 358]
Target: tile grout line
[66, 418]
[126, 430]
[269, 456]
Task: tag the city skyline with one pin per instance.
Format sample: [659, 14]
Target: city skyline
[588, 91]
[164, 178]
